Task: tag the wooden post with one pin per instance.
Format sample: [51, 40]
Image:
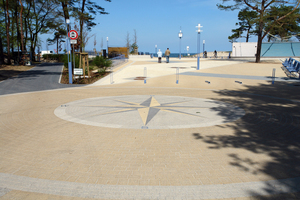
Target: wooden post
[87, 59]
[83, 66]
[80, 62]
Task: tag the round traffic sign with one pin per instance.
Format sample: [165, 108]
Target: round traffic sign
[73, 35]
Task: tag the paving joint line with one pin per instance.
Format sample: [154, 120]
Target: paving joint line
[63, 188]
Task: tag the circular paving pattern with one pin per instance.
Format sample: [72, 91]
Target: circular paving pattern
[149, 112]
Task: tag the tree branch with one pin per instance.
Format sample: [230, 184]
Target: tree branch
[249, 5]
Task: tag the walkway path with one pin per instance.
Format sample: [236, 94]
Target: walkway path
[42, 77]
[155, 140]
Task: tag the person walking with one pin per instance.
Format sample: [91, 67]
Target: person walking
[215, 54]
[167, 54]
[159, 55]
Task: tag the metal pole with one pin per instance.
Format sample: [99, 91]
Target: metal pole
[145, 75]
[180, 36]
[198, 52]
[203, 48]
[198, 47]
[69, 61]
[67, 48]
[107, 46]
[177, 75]
[179, 48]
[73, 56]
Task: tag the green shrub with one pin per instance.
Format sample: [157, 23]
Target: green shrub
[102, 62]
[101, 71]
[58, 57]
[65, 60]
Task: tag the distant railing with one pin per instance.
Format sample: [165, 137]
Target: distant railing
[118, 60]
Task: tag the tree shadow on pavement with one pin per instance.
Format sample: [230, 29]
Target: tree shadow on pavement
[271, 126]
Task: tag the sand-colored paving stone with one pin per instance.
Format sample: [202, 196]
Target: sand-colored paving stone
[260, 146]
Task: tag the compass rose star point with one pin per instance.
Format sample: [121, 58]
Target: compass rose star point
[149, 108]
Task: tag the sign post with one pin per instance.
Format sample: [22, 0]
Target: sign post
[78, 71]
[73, 35]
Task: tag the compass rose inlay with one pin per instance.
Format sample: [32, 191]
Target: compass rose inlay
[144, 111]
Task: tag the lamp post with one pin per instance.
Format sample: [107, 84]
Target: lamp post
[180, 36]
[198, 49]
[203, 48]
[107, 44]
[70, 55]
[187, 49]
[156, 49]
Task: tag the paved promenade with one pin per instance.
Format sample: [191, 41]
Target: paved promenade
[45, 76]
[221, 132]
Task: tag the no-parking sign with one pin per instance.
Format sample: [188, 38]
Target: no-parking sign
[73, 35]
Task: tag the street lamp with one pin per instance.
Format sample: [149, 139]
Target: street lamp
[203, 48]
[180, 36]
[187, 49]
[107, 44]
[70, 55]
[198, 49]
[156, 49]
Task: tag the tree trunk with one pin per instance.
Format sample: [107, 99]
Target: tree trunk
[81, 24]
[1, 52]
[1, 49]
[31, 46]
[12, 36]
[260, 29]
[35, 38]
[18, 32]
[57, 46]
[248, 35]
[26, 33]
[7, 34]
[66, 13]
[259, 41]
[21, 23]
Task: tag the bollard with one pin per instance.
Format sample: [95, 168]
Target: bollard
[273, 76]
[177, 75]
[145, 75]
[111, 78]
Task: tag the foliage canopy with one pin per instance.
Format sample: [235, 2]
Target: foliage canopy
[263, 10]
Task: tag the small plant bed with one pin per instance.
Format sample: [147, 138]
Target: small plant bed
[95, 76]
[97, 68]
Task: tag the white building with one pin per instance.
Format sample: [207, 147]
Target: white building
[244, 49]
[46, 52]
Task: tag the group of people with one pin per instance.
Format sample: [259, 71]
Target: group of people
[205, 54]
[167, 55]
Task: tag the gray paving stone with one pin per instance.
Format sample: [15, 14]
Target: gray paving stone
[11, 182]
[4, 191]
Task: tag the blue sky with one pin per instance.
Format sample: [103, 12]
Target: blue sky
[157, 22]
